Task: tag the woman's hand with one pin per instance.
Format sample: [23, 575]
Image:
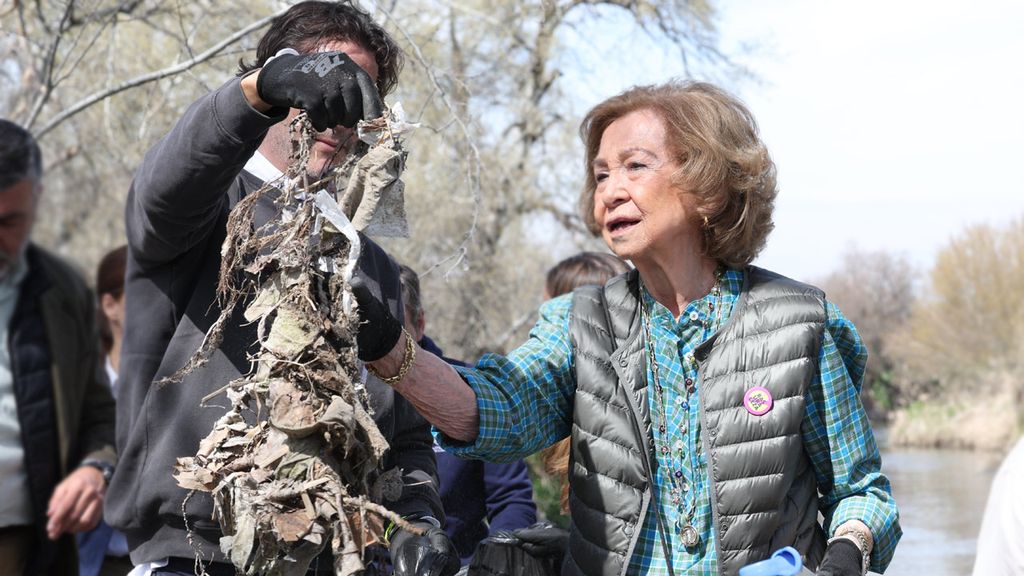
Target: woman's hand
[543, 540]
[842, 558]
[379, 331]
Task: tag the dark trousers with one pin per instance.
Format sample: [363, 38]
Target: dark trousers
[15, 546]
[116, 566]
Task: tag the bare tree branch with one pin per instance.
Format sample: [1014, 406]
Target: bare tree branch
[473, 176]
[49, 64]
[68, 68]
[104, 14]
[14, 6]
[505, 338]
[154, 76]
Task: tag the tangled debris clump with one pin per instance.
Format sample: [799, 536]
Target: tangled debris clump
[293, 466]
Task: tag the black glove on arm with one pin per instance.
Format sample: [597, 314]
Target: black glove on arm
[431, 554]
[329, 86]
[538, 553]
[379, 331]
[543, 540]
[842, 558]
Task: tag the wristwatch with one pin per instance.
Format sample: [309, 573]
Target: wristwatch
[104, 467]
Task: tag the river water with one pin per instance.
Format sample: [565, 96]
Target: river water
[941, 496]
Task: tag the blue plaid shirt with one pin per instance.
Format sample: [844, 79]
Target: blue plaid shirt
[525, 401]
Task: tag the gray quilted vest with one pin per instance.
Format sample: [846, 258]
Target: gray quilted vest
[761, 481]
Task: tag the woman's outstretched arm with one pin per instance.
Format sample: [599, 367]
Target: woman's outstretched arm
[434, 388]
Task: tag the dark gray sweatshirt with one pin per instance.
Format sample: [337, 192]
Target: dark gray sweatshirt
[176, 218]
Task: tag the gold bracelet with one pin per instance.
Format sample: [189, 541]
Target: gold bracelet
[403, 370]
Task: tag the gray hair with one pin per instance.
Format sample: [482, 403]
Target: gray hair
[20, 157]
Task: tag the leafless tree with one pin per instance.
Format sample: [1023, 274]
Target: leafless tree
[493, 174]
[970, 320]
[97, 81]
[876, 291]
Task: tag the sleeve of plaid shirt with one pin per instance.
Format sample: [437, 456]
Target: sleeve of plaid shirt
[524, 398]
[841, 444]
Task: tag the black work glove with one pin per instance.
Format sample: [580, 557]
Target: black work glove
[842, 558]
[543, 540]
[540, 553]
[329, 86]
[431, 554]
[379, 331]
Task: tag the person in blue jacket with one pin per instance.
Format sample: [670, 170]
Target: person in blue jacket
[479, 498]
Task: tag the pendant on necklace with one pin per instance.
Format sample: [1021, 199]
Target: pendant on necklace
[690, 536]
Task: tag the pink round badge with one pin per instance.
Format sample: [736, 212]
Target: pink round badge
[758, 401]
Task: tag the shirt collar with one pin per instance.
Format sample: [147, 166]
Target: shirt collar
[261, 168]
[731, 284]
[111, 375]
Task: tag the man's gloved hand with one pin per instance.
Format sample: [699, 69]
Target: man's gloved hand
[431, 554]
[543, 540]
[329, 86]
[842, 558]
[379, 331]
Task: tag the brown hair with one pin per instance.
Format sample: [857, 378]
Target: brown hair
[308, 25]
[411, 298]
[109, 280]
[583, 269]
[569, 274]
[722, 162]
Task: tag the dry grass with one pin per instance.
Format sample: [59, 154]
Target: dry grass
[991, 420]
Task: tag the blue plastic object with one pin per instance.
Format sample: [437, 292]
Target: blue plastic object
[784, 562]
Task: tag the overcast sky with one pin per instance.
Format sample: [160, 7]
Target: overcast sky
[894, 124]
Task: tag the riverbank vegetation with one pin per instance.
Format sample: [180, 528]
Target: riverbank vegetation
[946, 345]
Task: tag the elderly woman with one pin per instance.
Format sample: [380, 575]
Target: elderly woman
[713, 407]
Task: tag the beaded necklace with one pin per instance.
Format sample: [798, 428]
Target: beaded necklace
[678, 486]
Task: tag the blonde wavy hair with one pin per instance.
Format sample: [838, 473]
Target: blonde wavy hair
[722, 162]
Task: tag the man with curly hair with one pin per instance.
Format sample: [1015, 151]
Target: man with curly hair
[332, 61]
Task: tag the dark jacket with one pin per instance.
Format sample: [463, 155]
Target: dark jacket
[65, 410]
[480, 497]
[176, 218]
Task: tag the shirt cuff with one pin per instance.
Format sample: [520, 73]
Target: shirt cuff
[237, 118]
[882, 518]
